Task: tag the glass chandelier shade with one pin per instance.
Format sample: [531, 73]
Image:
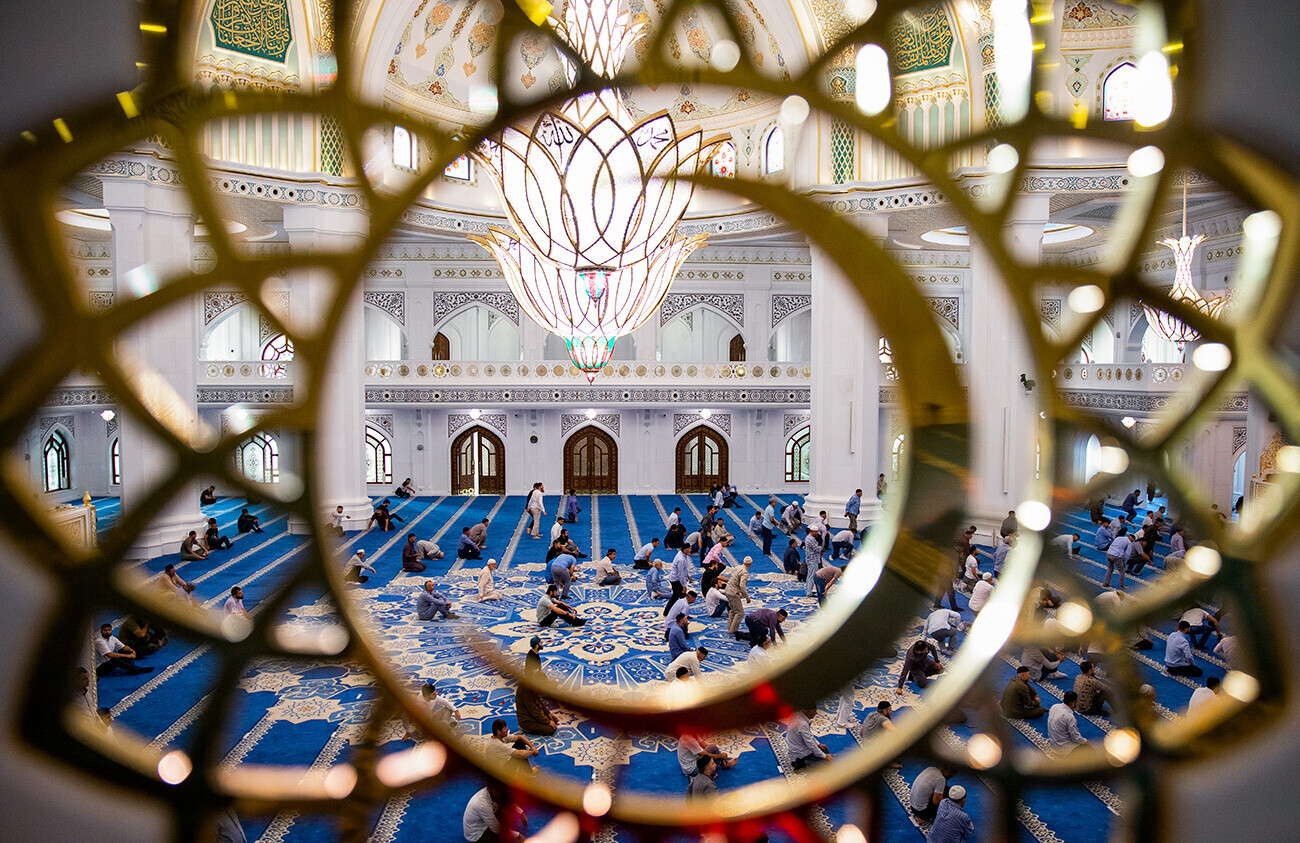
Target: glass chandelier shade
[594, 198]
[1167, 326]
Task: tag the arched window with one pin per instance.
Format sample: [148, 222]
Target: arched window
[884, 351]
[798, 457]
[442, 346]
[403, 148]
[57, 474]
[1117, 92]
[258, 458]
[723, 164]
[379, 457]
[278, 348]
[115, 461]
[462, 169]
[1091, 457]
[736, 349]
[774, 151]
[896, 457]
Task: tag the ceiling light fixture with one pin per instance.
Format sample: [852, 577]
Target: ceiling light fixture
[594, 198]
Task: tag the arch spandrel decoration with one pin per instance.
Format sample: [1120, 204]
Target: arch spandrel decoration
[912, 544]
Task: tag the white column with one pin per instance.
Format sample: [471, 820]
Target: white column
[845, 391]
[339, 453]
[1002, 409]
[153, 229]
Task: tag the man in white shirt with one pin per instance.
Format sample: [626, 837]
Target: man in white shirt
[842, 543]
[758, 654]
[1203, 695]
[1062, 725]
[557, 528]
[536, 508]
[487, 587]
[970, 572]
[1111, 600]
[674, 517]
[606, 573]
[111, 654]
[980, 594]
[1069, 542]
[355, 566]
[1202, 623]
[680, 606]
[943, 626]
[1226, 649]
[715, 602]
[235, 602]
[641, 561]
[689, 750]
[690, 660]
[481, 820]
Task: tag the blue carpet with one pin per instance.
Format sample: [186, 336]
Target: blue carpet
[290, 713]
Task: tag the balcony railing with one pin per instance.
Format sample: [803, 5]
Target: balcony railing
[648, 372]
[245, 372]
[1128, 377]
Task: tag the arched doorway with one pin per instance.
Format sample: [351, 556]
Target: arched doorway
[701, 460]
[478, 463]
[591, 462]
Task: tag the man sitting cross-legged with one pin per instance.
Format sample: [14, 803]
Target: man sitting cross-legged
[430, 603]
[550, 608]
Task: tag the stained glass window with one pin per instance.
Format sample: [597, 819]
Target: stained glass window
[403, 148]
[379, 457]
[115, 461]
[723, 164]
[798, 457]
[278, 348]
[258, 458]
[462, 169]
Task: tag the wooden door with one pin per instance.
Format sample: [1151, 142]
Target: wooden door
[736, 351]
[701, 461]
[478, 463]
[591, 462]
[441, 346]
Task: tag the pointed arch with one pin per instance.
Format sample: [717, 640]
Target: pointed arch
[56, 460]
[798, 456]
[115, 461]
[258, 458]
[591, 462]
[702, 460]
[774, 151]
[478, 463]
[379, 457]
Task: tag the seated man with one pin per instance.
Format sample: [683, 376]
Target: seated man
[656, 582]
[675, 537]
[1178, 652]
[111, 655]
[606, 573]
[355, 566]
[919, 664]
[478, 533]
[191, 549]
[803, 748]
[213, 537]
[173, 580]
[880, 720]
[678, 638]
[427, 550]
[756, 525]
[1019, 700]
[980, 594]
[487, 587]
[411, 562]
[504, 748]
[641, 561]
[248, 523]
[429, 603]
[466, 548]
[928, 790]
[138, 634]
[691, 749]
[715, 601]
[951, 823]
[485, 820]
[406, 490]
[791, 560]
[208, 496]
[1042, 662]
[1093, 693]
[1063, 726]
[550, 608]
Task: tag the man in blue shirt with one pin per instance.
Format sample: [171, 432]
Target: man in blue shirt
[1178, 653]
[1000, 555]
[769, 525]
[466, 548]
[678, 640]
[1117, 557]
[656, 584]
[951, 823]
[1131, 502]
[853, 509]
[562, 573]
[1104, 536]
[680, 575]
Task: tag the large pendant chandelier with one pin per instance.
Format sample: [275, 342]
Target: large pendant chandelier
[1184, 248]
[594, 200]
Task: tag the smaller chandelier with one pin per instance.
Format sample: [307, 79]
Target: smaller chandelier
[1168, 326]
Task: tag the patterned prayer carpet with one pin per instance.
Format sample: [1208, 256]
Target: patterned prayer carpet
[291, 713]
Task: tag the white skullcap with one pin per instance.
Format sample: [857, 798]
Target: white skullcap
[748, 560]
[956, 793]
[492, 562]
[1146, 691]
[988, 576]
